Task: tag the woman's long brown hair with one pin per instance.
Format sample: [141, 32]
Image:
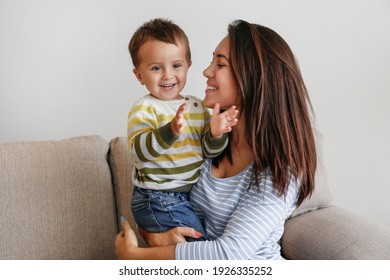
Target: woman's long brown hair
[276, 106]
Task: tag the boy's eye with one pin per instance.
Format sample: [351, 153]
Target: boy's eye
[177, 65]
[156, 68]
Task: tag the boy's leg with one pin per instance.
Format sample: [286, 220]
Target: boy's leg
[174, 209]
[156, 211]
[141, 207]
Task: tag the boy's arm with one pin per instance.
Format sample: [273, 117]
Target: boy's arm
[213, 147]
[215, 140]
[147, 141]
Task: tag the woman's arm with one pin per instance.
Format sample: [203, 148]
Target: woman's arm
[252, 229]
[126, 244]
[126, 247]
[170, 237]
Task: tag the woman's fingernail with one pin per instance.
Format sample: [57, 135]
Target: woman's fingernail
[198, 234]
[123, 219]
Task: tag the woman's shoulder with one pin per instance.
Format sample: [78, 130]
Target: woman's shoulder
[265, 186]
[206, 165]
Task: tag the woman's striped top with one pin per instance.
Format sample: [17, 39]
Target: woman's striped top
[162, 160]
[241, 222]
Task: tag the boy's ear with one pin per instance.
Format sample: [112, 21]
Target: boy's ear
[189, 64]
[138, 75]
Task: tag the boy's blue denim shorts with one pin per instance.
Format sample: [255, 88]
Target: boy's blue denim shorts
[158, 211]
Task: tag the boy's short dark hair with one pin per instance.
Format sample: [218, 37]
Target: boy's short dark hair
[159, 29]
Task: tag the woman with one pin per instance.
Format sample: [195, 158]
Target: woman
[245, 195]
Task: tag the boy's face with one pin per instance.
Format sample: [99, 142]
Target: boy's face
[162, 68]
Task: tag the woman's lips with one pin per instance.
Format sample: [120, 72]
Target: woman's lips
[210, 89]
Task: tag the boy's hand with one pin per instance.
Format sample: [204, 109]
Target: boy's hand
[221, 123]
[177, 123]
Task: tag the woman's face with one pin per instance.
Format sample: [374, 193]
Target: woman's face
[221, 85]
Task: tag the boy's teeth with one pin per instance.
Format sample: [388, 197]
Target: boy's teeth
[211, 88]
[167, 86]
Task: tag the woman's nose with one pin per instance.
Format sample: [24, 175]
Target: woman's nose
[207, 72]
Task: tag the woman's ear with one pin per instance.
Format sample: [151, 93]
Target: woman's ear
[138, 75]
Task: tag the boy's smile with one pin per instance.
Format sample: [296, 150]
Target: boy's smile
[163, 68]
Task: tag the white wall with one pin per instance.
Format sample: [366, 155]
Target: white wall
[65, 71]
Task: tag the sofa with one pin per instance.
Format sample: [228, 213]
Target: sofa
[63, 200]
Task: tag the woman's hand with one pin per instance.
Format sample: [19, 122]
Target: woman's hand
[126, 243]
[170, 237]
[126, 246]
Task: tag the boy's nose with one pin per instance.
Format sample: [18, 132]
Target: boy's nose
[167, 75]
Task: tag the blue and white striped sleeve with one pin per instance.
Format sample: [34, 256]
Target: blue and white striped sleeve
[253, 230]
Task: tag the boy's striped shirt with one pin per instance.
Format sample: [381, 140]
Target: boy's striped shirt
[162, 160]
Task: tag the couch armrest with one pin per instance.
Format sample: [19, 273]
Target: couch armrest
[121, 168]
[333, 233]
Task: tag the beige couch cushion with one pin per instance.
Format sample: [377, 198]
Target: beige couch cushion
[333, 233]
[56, 200]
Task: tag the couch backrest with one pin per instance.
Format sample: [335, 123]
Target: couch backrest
[57, 200]
[321, 197]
